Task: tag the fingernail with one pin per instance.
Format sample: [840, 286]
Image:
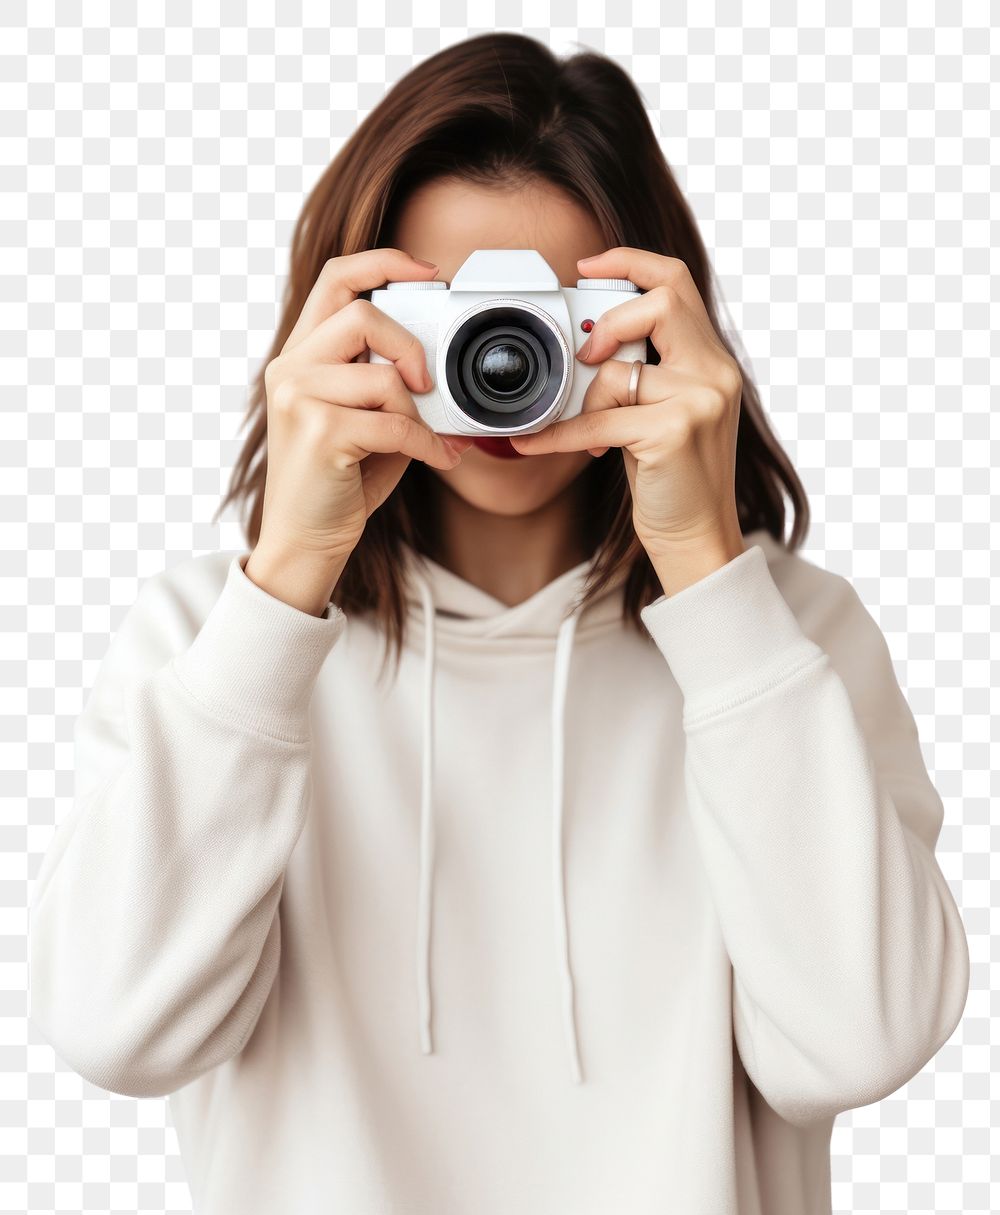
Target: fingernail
[429, 265]
[428, 382]
[455, 451]
[585, 348]
[583, 260]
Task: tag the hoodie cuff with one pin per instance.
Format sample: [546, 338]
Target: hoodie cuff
[729, 636]
[256, 658]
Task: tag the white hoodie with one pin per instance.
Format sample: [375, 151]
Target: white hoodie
[663, 904]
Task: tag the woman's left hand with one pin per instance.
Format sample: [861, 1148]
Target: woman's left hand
[679, 440]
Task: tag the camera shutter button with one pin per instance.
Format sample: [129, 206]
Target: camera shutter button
[417, 285]
[605, 284]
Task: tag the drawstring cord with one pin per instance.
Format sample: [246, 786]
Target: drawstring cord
[564, 646]
[424, 904]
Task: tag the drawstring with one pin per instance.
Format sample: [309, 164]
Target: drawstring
[564, 646]
[426, 829]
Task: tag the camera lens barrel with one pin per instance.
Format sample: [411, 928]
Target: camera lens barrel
[506, 365]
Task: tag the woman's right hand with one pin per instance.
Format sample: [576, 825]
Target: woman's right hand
[340, 434]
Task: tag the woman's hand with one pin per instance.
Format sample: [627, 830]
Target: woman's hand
[679, 441]
[340, 433]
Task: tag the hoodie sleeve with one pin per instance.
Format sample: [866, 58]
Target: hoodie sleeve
[817, 823]
[153, 924]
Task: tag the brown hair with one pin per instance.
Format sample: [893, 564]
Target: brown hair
[502, 108]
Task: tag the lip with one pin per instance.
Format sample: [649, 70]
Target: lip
[500, 446]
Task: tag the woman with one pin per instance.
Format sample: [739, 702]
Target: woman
[643, 799]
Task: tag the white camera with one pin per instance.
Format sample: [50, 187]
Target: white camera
[501, 341]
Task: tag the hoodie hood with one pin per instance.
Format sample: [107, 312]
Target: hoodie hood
[464, 611]
[446, 605]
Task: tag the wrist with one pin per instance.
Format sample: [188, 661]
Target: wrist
[680, 565]
[302, 580]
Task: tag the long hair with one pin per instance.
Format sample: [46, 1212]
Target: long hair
[501, 108]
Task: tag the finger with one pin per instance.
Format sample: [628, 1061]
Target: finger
[661, 315]
[608, 420]
[657, 382]
[362, 386]
[353, 385]
[360, 326]
[342, 278]
[622, 427]
[380, 471]
[363, 432]
[648, 270]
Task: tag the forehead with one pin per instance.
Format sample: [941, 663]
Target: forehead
[445, 220]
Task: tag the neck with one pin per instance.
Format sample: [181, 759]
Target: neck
[509, 556]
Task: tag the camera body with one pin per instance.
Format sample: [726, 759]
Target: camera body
[501, 341]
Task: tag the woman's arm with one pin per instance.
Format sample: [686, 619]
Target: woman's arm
[154, 933]
[817, 823]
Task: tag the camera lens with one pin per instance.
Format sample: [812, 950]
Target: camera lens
[503, 368]
[506, 365]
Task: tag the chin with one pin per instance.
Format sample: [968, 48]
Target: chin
[514, 487]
